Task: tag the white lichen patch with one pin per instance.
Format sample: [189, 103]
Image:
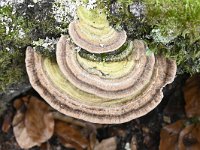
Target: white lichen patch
[159, 37]
[10, 27]
[137, 9]
[21, 33]
[91, 4]
[36, 1]
[8, 21]
[8, 49]
[65, 11]
[5, 22]
[10, 2]
[127, 146]
[48, 43]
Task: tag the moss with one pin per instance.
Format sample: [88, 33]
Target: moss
[11, 60]
[19, 27]
[180, 18]
[177, 23]
[11, 68]
[186, 55]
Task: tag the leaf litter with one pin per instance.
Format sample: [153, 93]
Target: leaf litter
[184, 134]
[37, 126]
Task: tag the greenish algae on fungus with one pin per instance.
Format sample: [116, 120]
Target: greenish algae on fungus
[122, 53]
[106, 92]
[94, 18]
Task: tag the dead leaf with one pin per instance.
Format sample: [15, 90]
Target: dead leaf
[39, 120]
[92, 140]
[7, 121]
[107, 144]
[77, 122]
[119, 132]
[134, 143]
[20, 132]
[18, 103]
[189, 138]
[86, 129]
[169, 135]
[45, 146]
[33, 126]
[192, 96]
[69, 136]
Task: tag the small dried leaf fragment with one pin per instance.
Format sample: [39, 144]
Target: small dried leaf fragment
[169, 135]
[134, 143]
[45, 146]
[189, 138]
[20, 132]
[33, 126]
[18, 103]
[7, 122]
[107, 144]
[192, 96]
[92, 140]
[39, 120]
[69, 136]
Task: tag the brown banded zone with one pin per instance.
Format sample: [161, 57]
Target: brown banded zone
[129, 85]
[49, 80]
[94, 43]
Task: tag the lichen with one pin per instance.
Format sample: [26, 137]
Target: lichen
[46, 47]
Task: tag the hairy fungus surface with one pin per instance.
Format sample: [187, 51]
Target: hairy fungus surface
[100, 84]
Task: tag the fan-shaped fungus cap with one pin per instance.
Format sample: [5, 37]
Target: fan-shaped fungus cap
[61, 87]
[108, 80]
[93, 33]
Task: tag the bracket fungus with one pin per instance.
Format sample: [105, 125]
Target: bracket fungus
[108, 84]
[93, 33]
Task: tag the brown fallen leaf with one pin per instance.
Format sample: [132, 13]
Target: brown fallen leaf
[45, 146]
[119, 132]
[169, 136]
[192, 96]
[92, 140]
[7, 122]
[33, 126]
[189, 138]
[133, 143]
[39, 120]
[107, 144]
[20, 132]
[69, 136]
[77, 122]
[17, 104]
